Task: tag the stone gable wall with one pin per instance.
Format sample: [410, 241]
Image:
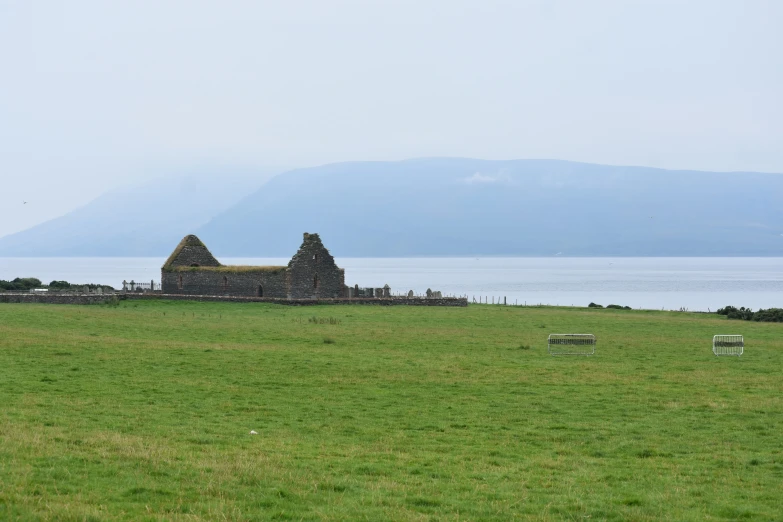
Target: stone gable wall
[313, 274]
[195, 255]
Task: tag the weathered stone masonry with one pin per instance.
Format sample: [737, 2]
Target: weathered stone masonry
[394, 301]
[192, 273]
[68, 299]
[311, 274]
[105, 298]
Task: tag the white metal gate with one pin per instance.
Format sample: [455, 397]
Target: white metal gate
[728, 345]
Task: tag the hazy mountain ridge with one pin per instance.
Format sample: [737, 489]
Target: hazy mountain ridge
[140, 221]
[439, 207]
[451, 206]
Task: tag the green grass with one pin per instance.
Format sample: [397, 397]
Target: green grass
[144, 412]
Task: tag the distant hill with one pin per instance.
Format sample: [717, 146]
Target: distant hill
[148, 220]
[434, 207]
[451, 206]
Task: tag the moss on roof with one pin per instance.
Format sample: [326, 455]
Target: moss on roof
[234, 269]
[188, 241]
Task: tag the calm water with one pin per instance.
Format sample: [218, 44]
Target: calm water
[654, 283]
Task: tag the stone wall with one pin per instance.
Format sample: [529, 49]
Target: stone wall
[98, 299]
[257, 283]
[72, 299]
[394, 301]
[191, 252]
[312, 272]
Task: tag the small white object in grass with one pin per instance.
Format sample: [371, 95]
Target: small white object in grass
[253, 432]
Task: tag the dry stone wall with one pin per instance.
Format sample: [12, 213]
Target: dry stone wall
[98, 299]
[71, 299]
[395, 301]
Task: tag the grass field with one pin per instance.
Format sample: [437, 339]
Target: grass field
[144, 412]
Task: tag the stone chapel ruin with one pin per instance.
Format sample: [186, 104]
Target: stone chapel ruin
[311, 274]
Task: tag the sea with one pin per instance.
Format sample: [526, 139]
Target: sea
[655, 283]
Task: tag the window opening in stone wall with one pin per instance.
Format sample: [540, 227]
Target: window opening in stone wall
[179, 282]
[315, 281]
[315, 257]
[225, 283]
[260, 291]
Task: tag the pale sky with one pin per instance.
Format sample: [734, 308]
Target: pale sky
[96, 94]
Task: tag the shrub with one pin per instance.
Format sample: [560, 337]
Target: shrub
[772, 315]
[725, 310]
[618, 307]
[736, 313]
[93, 286]
[594, 305]
[20, 283]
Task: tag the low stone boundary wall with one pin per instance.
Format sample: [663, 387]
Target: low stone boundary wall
[391, 301]
[72, 299]
[86, 299]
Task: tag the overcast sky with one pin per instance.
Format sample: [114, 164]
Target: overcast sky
[94, 94]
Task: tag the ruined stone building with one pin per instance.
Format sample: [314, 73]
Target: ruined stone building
[311, 273]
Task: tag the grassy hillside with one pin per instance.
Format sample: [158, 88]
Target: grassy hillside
[144, 412]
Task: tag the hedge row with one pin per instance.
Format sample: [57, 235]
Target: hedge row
[771, 315]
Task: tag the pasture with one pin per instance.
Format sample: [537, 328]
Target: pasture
[144, 411]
